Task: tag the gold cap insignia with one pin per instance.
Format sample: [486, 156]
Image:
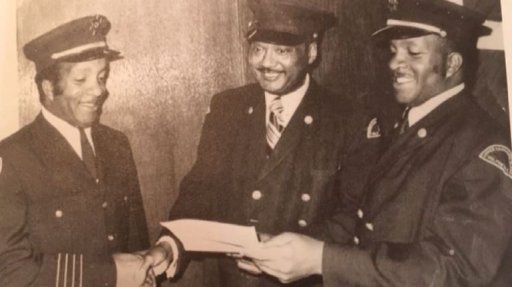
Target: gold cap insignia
[393, 5]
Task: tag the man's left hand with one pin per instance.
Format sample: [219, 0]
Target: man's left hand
[288, 256]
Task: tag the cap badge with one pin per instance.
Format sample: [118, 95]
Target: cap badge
[95, 24]
[393, 5]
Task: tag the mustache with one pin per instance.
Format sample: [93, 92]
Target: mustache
[267, 70]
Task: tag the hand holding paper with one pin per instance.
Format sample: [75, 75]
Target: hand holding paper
[211, 236]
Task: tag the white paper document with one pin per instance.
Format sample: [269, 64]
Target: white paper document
[212, 236]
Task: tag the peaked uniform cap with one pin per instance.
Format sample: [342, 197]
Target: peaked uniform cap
[287, 22]
[78, 40]
[412, 18]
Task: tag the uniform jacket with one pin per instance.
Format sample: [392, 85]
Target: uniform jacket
[233, 179]
[58, 225]
[437, 210]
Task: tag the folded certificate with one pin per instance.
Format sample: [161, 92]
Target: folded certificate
[211, 236]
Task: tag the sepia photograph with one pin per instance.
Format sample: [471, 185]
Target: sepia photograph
[255, 143]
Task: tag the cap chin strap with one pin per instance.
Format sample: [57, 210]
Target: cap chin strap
[421, 26]
[78, 50]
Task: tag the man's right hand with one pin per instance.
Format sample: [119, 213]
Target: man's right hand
[160, 257]
[133, 270]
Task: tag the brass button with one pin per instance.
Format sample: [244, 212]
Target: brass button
[104, 204]
[110, 237]
[303, 223]
[356, 240]
[97, 180]
[422, 133]
[451, 252]
[369, 226]
[126, 198]
[308, 120]
[59, 213]
[305, 197]
[257, 195]
[360, 213]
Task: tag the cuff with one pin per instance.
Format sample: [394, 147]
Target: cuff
[170, 272]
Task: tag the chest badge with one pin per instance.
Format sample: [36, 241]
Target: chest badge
[373, 129]
[500, 157]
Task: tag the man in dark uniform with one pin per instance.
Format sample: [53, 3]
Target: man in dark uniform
[69, 195]
[269, 152]
[437, 209]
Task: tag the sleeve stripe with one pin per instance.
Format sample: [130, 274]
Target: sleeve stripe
[81, 269]
[58, 271]
[65, 271]
[73, 272]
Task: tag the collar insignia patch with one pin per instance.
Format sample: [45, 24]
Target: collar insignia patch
[373, 129]
[392, 5]
[500, 157]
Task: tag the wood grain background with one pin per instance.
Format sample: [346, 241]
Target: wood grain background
[178, 53]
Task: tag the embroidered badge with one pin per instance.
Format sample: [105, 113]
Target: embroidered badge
[499, 156]
[95, 24]
[392, 5]
[373, 129]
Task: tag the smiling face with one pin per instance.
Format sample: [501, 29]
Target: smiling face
[418, 66]
[79, 93]
[280, 69]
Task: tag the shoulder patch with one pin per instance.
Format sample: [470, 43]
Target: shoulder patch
[499, 156]
[373, 129]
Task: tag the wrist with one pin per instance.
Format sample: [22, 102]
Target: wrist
[319, 250]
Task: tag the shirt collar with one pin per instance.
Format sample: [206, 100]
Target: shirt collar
[419, 112]
[69, 132]
[290, 101]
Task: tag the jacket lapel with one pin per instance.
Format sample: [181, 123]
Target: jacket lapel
[300, 125]
[57, 155]
[405, 144]
[250, 147]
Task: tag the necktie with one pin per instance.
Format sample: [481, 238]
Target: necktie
[275, 124]
[87, 154]
[405, 120]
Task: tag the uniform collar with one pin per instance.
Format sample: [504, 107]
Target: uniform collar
[290, 101]
[419, 112]
[69, 132]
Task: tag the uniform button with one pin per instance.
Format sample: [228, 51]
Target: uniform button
[126, 198]
[422, 133]
[250, 110]
[356, 240]
[451, 252]
[59, 213]
[97, 180]
[104, 204]
[253, 220]
[360, 213]
[303, 223]
[110, 237]
[369, 226]
[308, 120]
[257, 195]
[396, 125]
[305, 197]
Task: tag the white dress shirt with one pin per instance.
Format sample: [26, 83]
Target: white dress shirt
[69, 132]
[419, 112]
[289, 101]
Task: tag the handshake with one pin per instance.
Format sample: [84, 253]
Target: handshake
[140, 269]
